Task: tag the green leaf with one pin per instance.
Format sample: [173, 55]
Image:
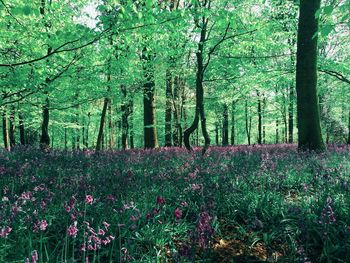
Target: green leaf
[328, 9]
[326, 30]
[27, 10]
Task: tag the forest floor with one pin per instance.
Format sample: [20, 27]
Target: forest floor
[235, 204]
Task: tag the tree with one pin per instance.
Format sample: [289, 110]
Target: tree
[309, 128]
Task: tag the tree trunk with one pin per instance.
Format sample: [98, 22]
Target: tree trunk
[233, 138]
[87, 131]
[21, 128]
[259, 118]
[132, 145]
[216, 133]
[248, 122]
[125, 113]
[200, 112]
[149, 112]
[264, 116]
[277, 131]
[5, 132]
[110, 127]
[65, 139]
[309, 128]
[12, 128]
[291, 115]
[45, 138]
[168, 109]
[225, 126]
[99, 143]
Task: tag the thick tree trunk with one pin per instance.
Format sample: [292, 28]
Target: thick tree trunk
[99, 143]
[225, 126]
[309, 128]
[5, 132]
[168, 109]
[149, 111]
[45, 138]
[259, 118]
[22, 133]
[233, 121]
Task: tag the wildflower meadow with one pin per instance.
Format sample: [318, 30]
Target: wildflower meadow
[235, 204]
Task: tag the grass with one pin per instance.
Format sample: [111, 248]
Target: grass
[236, 204]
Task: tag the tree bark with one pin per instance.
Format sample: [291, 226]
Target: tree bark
[132, 145]
[12, 128]
[199, 112]
[248, 122]
[168, 109]
[5, 132]
[259, 118]
[45, 138]
[21, 128]
[233, 137]
[125, 108]
[291, 115]
[99, 143]
[309, 128]
[149, 111]
[225, 126]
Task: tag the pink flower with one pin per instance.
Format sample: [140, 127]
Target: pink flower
[178, 213]
[106, 225]
[89, 199]
[73, 230]
[42, 225]
[160, 200]
[5, 231]
[101, 232]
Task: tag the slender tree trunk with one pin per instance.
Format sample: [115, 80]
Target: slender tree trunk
[99, 143]
[309, 128]
[216, 133]
[65, 139]
[248, 122]
[168, 109]
[277, 130]
[225, 126]
[5, 131]
[233, 138]
[291, 115]
[125, 108]
[200, 112]
[132, 145]
[45, 138]
[12, 128]
[21, 128]
[149, 111]
[259, 118]
[110, 127]
[87, 131]
[264, 116]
